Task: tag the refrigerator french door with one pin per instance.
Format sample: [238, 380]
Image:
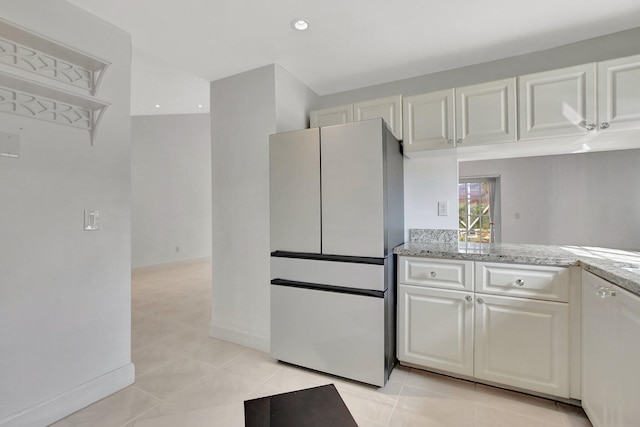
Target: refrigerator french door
[336, 214]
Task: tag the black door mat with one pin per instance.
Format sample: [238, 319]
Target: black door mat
[313, 407]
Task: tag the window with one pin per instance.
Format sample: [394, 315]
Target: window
[479, 215]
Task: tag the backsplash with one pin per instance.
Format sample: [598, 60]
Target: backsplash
[426, 235]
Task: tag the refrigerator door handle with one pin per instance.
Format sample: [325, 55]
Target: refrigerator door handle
[329, 288]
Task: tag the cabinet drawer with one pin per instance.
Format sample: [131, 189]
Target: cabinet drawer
[526, 281]
[439, 273]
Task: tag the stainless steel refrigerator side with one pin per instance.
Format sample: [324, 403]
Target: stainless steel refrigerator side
[394, 192]
[294, 182]
[352, 182]
[394, 222]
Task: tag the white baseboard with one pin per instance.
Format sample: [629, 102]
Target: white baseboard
[67, 403]
[237, 336]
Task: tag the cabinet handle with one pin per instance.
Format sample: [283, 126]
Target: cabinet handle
[449, 141]
[604, 125]
[433, 274]
[459, 141]
[589, 126]
[468, 298]
[480, 301]
[520, 282]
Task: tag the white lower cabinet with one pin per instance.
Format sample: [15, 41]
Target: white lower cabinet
[519, 342]
[437, 328]
[611, 347]
[523, 343]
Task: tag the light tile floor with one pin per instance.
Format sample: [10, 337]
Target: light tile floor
[185, 378]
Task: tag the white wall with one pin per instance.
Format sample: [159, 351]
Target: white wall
[428, 181]
[65, 293]
[293, 101]
[588, 199]
[170, 188]
[245, 110]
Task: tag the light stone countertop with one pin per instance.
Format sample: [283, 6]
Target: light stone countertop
[606, 263]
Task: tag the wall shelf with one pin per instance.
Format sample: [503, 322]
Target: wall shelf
[24, 50]
[33, 99]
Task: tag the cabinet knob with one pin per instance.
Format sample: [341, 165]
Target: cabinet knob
[449, 141]
[520, 282]
[433, 274]
[604, 125]
[459, 141]
[606, 292]
[468, 298]
[480, 301]
[589, 126]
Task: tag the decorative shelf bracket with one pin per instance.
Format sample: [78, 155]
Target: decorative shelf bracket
[35, 100]
[25, 50]
[52, 68]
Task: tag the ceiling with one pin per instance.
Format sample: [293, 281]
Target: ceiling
[179, 46]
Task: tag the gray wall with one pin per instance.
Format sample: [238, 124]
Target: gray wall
[615, 45]
[65, 323]
[588, 199]
[170, 188]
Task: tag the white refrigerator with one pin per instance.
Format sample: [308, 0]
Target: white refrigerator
[336, 214]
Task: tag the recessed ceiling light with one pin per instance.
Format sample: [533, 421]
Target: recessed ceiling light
[199, 105]
[157, 105]
[300, 24]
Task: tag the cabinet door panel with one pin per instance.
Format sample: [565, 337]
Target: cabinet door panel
[428, 121]
[486, 113]
[331, 116]
[554, 103]
[626, 385]
[438, 273]
[619, 93]
[294, 182]
[435, 328]
[526, 281]
[389, 109]
[596, 349]
[523, 343]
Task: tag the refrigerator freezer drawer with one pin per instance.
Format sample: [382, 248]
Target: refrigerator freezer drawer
[346, 274]
[341, 334]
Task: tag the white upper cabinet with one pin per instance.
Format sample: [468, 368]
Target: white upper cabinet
[619, 93]
[389, 109]
[429, 121]
[472, 115]
[558, 102]
[486, 113]
[331, 116]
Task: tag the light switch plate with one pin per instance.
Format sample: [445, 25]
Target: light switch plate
[443, 208]
[91, 220]
[9, 145]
